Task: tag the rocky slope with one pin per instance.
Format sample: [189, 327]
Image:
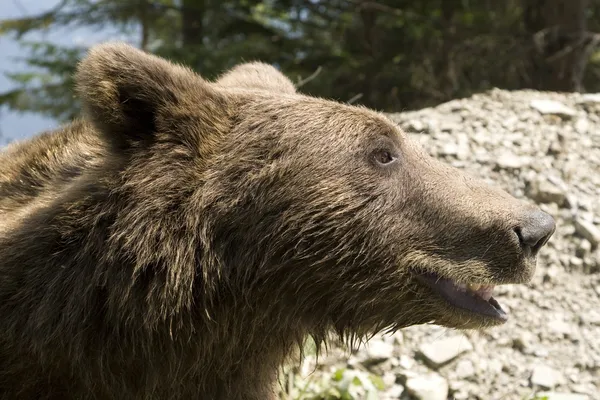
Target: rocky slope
[544, 147]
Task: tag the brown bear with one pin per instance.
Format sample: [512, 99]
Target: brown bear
[183, 238]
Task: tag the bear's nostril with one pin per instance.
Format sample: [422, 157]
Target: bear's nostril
[535, 230]
[518, 232]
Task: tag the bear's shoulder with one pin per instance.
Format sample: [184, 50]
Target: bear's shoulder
[41, 166]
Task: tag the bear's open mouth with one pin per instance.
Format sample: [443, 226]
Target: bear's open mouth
[474, 298]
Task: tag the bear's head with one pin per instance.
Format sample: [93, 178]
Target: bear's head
[319, 214]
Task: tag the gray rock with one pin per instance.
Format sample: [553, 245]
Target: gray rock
[571, 201]
[552, 275]
[582, 126]
[509, 123]
[591, 265]
[464, 369]
[560, 396]
[556, 147]
[541, 352]
[379, 350]
[583, 248]
[559, 326]
[395, 391]
[589, 98]
[543, 190]
[415, 125]
[591, 317]
[406, 362]
[545, 106]
[588, 230]
[523, 342]
[388, 378]
[449, 126]
[508, 160]
[567, 230]
[449, 149]
[398, 338]
[440, 352]
[545, 377]
[576, 262]
[427, 387]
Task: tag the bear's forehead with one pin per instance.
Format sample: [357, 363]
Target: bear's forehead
[298, 114]
[353, 123]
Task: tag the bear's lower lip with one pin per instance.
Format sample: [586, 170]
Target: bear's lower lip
[458, 295]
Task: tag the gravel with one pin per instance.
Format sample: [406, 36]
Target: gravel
[545, 377]
[442, 351]
[588, 230]
[427, 387]
[542, 147]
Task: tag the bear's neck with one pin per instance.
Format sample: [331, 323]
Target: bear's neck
[85, 286]
[62, 296]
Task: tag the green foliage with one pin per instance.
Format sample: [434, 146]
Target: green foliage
[341, 384]
[386, 54]
[305, 382]
[46, 87]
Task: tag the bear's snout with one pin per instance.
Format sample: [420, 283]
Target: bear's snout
[534, 231]
[471, 237]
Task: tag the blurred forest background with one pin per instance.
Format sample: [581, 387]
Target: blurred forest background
[390, 55]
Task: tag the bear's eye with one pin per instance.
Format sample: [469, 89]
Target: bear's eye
[384, 157]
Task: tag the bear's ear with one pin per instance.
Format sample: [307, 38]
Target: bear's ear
[258, 76]
[131, 95]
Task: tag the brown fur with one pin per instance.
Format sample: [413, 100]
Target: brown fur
[184, 237]
[258, 76]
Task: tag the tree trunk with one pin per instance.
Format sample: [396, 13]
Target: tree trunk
[192, 22]
[144, 24]
[449, 82]
[561, 43]
[368, 19]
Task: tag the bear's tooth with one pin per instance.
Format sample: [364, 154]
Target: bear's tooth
[486, 292]
[474, 287]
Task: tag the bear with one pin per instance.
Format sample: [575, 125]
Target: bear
[184, 237]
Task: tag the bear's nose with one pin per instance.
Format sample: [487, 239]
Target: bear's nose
[535, 230]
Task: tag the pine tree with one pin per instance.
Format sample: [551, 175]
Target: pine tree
[386, 54]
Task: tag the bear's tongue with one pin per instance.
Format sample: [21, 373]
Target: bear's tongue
[483, 291]
[474, 298]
